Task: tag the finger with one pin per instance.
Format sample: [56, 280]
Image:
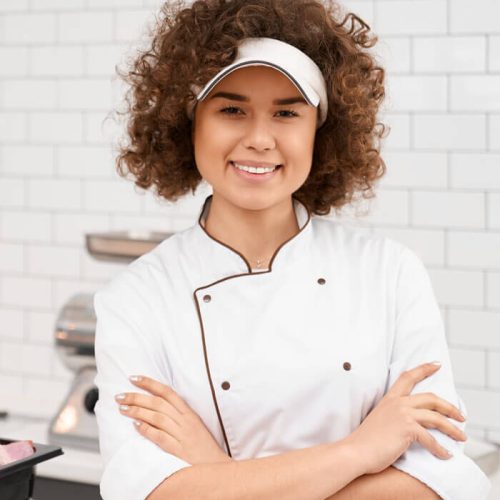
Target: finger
[428, 441]
[429, 400]
[432, 420]
[153, 418]
[160, 438]
[164, 391]
[409, 378]
[150, 402]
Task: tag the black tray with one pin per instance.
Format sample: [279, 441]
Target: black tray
[17, 478]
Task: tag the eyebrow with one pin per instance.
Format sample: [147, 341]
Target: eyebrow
[242, 98]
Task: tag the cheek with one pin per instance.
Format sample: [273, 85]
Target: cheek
[209, 154]
[205, 133]
[301, 144]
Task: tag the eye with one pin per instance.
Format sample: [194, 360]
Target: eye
[225, 110]
[228, 111]
[292, 113]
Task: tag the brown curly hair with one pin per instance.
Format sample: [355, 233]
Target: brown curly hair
[191, 44]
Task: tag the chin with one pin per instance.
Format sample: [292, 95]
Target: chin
[258, 201]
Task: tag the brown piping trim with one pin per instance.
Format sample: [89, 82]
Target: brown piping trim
[250, 273]
[218, 241]
[214, 397]
[291, 238]
[249, 267]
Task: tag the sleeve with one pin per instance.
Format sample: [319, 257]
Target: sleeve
[419, 337]
[125, 345]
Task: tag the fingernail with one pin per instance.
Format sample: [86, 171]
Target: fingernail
[135, 378]
[119, 397]
[448, 453]
[124, 407]
[437, 363]
[463, 417]
[137, 423]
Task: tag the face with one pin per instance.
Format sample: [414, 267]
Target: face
[241, 120]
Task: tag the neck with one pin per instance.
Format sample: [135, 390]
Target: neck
[254, 233]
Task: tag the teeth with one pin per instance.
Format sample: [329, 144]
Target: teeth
[254, 170]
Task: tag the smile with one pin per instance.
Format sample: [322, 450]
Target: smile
[255, 173]
[254, 170]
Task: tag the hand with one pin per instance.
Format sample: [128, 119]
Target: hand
[169, 422]
[399, 420]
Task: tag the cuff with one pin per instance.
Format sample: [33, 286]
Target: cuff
[136, 469]
[456, 478]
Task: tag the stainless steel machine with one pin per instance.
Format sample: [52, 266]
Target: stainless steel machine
[75, 424]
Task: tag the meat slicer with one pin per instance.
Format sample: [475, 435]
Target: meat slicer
[74, 424]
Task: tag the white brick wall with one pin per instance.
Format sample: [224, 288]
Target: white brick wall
[441, 195]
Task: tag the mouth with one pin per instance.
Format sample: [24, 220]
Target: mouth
[255, 173]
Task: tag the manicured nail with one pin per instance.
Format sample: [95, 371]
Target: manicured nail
[124, 407]
[119, 397]
[437, 363]
[448, 453]
[135, 378]
[137, 423]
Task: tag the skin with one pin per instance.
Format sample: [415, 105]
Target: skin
[168, 421]
[254, 218]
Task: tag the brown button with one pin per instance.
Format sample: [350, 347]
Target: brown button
[321, 281]
[207, 298]
[347, 366]
[225, 385]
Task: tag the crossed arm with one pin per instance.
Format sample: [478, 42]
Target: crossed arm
[390, 484]
[328, 471]
[300, 474]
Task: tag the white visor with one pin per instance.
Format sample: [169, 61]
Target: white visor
[303, 72]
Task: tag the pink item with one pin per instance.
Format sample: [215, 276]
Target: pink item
[15, 451]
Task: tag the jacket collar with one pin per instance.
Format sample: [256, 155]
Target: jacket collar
[224, 261]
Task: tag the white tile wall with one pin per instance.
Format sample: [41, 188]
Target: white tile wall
[450, 54]
[493, 287]
[449, 131]
[441, 195]
[478, 172]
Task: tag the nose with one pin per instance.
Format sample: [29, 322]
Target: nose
[259, 135]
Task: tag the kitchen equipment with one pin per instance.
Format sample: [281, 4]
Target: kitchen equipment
[122, 246]
[75, 424]
[17, 479]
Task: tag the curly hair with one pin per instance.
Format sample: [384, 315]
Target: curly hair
[191, 44]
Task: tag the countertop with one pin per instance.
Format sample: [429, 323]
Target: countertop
[74, 465]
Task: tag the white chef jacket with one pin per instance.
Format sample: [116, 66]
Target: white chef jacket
[272, 361]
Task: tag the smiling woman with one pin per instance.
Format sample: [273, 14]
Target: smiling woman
[274, 346]
[262, 155]
[189, 48]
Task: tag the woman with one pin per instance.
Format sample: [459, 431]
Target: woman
[273, 346]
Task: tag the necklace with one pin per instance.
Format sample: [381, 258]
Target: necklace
[259, 263]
